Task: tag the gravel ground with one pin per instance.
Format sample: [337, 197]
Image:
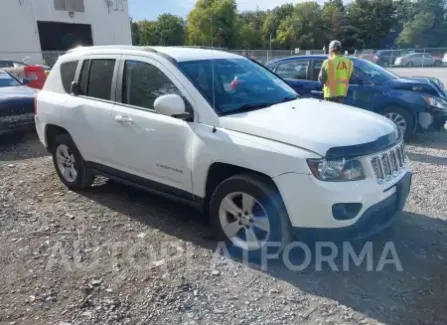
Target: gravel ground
[116, 255]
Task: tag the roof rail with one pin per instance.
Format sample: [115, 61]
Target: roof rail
[117, 47]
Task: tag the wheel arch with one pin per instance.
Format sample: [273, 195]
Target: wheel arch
[219, 171]
[51, 132]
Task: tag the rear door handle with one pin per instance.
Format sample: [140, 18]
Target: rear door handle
[123, 119]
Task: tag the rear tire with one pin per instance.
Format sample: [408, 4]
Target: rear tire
[69, 164]
[438, 63]
[409, 64]
[246, 206]
[403, 119]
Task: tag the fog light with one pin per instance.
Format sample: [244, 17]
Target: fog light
[346, 211]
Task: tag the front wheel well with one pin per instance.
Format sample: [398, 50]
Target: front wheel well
[218, 172]
[51, 132]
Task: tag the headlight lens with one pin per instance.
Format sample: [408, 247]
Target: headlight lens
[435, 102]
[341, 170]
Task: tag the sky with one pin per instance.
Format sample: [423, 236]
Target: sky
[151, 9]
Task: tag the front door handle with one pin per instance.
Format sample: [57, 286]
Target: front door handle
[123, 119]
[316, 92]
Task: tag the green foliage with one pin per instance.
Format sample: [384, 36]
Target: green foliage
[166, 30]
[213, 22]
[359, 24]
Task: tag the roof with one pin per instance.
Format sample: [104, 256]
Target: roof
[178, 53]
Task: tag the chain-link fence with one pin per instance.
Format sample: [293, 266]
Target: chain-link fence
[422, 58]
[409, 58]
[45, 58]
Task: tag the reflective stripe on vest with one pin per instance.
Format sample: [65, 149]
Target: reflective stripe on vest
[339, 71]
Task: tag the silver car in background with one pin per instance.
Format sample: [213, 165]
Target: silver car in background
[417, 60]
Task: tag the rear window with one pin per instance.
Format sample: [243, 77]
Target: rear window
[68, 71]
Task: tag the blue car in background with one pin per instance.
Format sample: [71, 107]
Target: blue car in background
[16, 106]
[416, 103]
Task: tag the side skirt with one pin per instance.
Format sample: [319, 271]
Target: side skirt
[147, 185]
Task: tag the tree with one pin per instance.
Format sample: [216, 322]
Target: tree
[135, 30]
[167, 30]
[148, 32]
[414, 32]
[170, 30]
[210, 18]
[303, 28]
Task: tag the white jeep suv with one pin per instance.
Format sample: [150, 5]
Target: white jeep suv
[264, 163]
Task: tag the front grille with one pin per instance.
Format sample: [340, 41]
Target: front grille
[388, 164]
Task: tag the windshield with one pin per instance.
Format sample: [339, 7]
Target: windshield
[236, 85]
[374, 71]
[7, 81]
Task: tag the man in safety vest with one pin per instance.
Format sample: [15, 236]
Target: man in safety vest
[335, 74]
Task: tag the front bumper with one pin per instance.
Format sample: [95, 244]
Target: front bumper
[309, 203]
[16, 124]
[433, 120]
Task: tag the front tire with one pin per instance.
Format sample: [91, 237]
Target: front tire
[248, 214]
[69, 164]
[403, 119]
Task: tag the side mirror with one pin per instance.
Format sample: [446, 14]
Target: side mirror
[171, 105]
[26, 81]
[75, 89]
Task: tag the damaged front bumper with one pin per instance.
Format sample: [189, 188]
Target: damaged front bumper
[432, 121]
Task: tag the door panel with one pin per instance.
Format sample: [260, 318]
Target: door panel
[151, 145]
[92, 109]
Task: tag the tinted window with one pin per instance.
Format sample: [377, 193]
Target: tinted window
[143, 83]
[293, 70]
[100, 78]
[317, 68]
[6, 64]
[83, 79]
[68, 71]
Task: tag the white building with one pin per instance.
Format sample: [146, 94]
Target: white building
[30, 27]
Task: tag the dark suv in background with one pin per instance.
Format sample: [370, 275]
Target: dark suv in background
[386, 58]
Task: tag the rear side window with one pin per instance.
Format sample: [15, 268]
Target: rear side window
[293, 70]
[68, 71]
[96, 78]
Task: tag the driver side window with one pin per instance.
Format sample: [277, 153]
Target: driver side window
[143, 83]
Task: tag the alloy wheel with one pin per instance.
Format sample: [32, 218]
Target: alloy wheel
[244, 220]
[399, 120]
[66, 163]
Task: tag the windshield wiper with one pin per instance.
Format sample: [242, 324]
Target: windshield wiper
[247, 108]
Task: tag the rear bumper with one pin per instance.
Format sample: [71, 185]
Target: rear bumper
[373, 220]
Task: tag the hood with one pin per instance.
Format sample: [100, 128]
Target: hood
[313, 125]
[19, 92]
[429, 85]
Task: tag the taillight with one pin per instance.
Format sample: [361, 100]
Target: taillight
[376, 58]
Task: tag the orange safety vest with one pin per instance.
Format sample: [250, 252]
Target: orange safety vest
[339, 71]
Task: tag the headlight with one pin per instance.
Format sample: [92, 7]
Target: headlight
[341, 170]
[435, 102]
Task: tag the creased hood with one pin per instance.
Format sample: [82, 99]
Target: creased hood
[313, 125]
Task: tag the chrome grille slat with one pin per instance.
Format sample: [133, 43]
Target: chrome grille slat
[387, 164]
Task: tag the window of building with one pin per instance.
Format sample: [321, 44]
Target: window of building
[69, 5]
